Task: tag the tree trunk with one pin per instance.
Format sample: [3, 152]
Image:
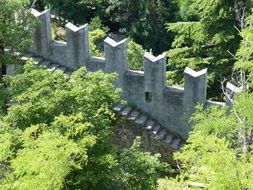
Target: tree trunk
[2, 73]
[2, 65]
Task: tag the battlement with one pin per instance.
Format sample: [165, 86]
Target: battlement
[171, 106]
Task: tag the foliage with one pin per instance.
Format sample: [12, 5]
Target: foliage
[64, 98]
[97, 35]
[245, 53]
[139, 168]
[96, 23]
[207, 40]
[218, 154]
[15, 26]
[12, 25]
[172, 79]
[96, 38]
[214, 120]
[143, 21]
[185, 13]
[59, 154]
[169, 184]
[135, 56]
[38, 4]
[78, 11]
[49, 106]
[57, 134]
[210, 161]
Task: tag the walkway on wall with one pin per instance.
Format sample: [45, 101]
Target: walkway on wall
[153, 127]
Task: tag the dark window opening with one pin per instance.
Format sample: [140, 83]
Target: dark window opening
[148, 96]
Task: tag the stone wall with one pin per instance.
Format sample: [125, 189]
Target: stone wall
[171, 106]
[127, 132]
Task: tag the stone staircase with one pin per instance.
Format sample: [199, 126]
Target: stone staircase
[154, 129]
[40, 62]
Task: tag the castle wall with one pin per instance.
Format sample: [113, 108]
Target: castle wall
[171, 106]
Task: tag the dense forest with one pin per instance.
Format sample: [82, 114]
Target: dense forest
[56, 130]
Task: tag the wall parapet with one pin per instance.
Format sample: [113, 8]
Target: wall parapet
[171, 106]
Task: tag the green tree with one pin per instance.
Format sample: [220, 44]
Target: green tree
[58, 134]
[15, 26]
[38, 4]
[143, 21]
[207, 39]
[135, 55]
[244, 54]
[97, 35]
[218, 154]
[184, 12]
[78, 11]
[139, 168]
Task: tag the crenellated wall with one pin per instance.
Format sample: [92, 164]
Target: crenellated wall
[171, 106]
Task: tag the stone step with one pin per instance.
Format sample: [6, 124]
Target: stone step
[175, 143]
[156, 130]
[181, 145]
[64, 69]
[150, 124]
[7, 49]
[168, 139]
[126, 111]
[162, 134]
[17, 54]
[26, 57]
[68, 72]
[134, 115]
[37, 60]
[141, 119]
[52, 67]
[118, 107]
[45, 63]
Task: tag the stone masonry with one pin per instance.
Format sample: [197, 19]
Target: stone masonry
[170, 106]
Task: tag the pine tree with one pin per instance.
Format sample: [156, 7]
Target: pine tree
[143, 21]
[208, 39]
[78, 11]
[245, 54]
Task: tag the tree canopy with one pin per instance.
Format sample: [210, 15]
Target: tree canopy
[219, 150]
[141, 20]
[57, 135]
[15, 29]
[55, 130]
[208, 38]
